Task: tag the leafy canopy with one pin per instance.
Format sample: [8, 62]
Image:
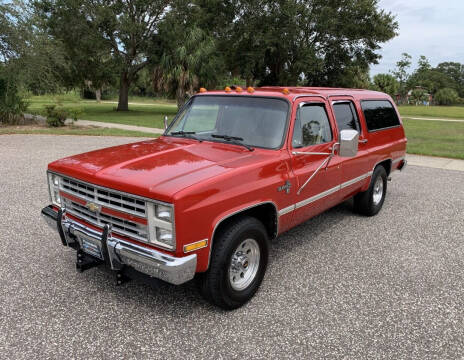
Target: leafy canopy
[105, 37]
[446, 96]
[290, 42]
[386, 83]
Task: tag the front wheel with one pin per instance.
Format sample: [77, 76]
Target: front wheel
[238, 263]
[370, 201]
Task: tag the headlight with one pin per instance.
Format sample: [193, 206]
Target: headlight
[54, 188]
[163, 235]
[163, 212]
[161, 224]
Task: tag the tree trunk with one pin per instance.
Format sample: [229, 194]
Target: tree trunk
[180, 97]
[123, 103]
[98, 95]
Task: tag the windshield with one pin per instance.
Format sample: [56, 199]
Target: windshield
[248, 120]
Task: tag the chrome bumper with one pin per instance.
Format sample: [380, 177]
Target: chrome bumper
[117, 252]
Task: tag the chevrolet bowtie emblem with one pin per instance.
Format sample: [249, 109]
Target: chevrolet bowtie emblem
[93, 207]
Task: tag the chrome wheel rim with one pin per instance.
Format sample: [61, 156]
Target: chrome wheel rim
[244, 264]
[378, 191]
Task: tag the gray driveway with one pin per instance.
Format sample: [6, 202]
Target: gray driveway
[338, 286]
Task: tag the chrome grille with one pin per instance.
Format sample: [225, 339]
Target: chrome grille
[105, 197]
[118, 225]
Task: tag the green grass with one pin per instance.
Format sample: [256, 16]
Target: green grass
[435, 138]
[424, 137]
[146, 100]
[138, 115]
[451, 112]
[74, 131]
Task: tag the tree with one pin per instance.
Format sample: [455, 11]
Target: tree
[423, 64]
[348, 33]
[9, 36]
[115, 35]
[183, 63]
[30, 58]
[429, 78]
[401, 73]
[386, 83]
[12, 104]
[455, 71]
[419, 96]
[187, 53]
[446, 96]
[42, 66]
[287, 42]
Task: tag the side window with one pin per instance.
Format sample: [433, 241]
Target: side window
[379, 114]
[345, 114]
[312, 126]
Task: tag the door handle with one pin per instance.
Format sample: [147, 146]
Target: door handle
[363, 141]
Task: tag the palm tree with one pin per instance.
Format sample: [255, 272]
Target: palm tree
[184, 63]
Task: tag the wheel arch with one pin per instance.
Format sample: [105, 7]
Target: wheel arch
[266, 212]
[387, 164]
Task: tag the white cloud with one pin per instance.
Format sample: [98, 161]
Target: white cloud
[426, 27]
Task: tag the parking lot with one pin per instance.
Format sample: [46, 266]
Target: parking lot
[338, 286]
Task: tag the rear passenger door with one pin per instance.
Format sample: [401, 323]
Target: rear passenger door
[354, 171]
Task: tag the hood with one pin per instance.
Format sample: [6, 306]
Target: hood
[156, 168]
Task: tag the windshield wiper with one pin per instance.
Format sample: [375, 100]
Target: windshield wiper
[186, 134]
[233, 140]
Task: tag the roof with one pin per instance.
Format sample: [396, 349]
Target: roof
[280, 91]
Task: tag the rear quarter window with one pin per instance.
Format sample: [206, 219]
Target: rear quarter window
[379, 114]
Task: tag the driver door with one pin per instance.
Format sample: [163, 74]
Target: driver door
[317, 171]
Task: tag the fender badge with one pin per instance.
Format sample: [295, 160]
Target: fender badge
[93, 207]
[285, 187]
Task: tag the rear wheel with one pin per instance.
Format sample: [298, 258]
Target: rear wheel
[370, 201]
[238, 263]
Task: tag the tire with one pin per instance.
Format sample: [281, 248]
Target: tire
[370, 202]
[238, 263]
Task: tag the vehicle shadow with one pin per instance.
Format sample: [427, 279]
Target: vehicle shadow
[156, 295]
[298, 235]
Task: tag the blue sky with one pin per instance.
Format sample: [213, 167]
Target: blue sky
[432, 28]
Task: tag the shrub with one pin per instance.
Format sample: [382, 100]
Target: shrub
[12, 105]
[446, 96]
[75, 113]
[55, 116]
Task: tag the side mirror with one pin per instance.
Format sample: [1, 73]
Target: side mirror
[348, 143]
[165, 122]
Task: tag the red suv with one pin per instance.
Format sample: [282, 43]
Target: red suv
[234, 169]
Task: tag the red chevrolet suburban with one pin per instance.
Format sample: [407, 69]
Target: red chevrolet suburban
[233, 170]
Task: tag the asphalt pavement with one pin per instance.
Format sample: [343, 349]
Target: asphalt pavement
[338, 286]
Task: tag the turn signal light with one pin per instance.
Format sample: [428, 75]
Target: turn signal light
[202, 90]
[195, 246]
[285, 91]
[227, 89]
[250, 89]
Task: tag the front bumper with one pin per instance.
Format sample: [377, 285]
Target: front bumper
[118, 252]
